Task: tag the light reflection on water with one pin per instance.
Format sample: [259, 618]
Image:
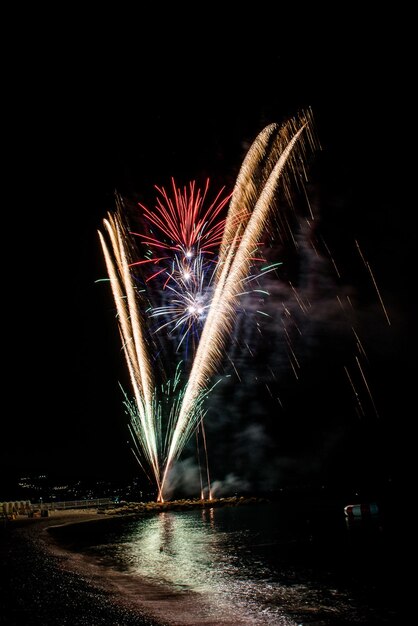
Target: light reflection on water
[266, 562]
[180, 550]
[251, 560]
[172, 548]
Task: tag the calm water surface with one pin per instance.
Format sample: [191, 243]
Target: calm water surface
[270, 563]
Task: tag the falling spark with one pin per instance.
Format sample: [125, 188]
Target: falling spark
[331, 257]
[366, 263]
[367, 386]
[354, 390]
[359, 344]
[235, 369]
[298, 299]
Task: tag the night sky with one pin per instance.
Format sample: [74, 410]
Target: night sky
[93, 109]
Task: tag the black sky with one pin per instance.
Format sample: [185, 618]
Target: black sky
[92, 109]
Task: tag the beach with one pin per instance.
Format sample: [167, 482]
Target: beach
[41, 588]
[197, 566]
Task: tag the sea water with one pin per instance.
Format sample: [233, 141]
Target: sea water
[267, 563]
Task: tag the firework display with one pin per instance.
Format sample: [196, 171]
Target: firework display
[187, 286]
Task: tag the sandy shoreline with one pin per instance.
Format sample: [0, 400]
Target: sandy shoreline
[43, 587]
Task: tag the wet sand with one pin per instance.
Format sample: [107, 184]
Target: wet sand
[39, 586]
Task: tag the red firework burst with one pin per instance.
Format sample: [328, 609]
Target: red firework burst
[185, 223]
